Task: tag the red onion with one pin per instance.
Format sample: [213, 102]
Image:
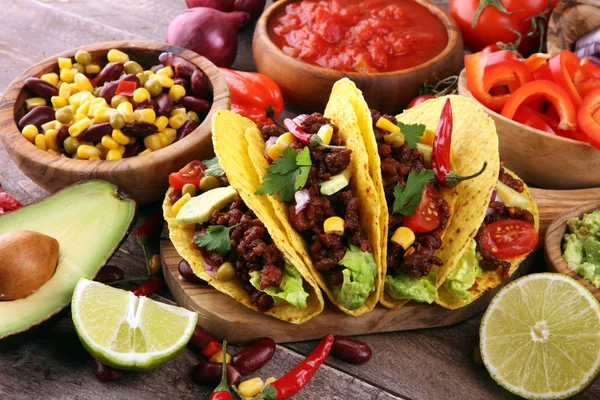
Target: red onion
[588, 39]
[588, 50]
[270, 143]
[300, 119]
[221, 5]
[210, 269]
[494, 197]
[252, 7]
[208, 32]
[302, 198]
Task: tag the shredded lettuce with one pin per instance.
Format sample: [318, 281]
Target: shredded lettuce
[290, 289]
[359, 278]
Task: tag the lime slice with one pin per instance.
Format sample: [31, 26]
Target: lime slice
[128, 332]
[540, 337]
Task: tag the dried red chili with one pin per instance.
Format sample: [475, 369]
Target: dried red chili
[148, 287]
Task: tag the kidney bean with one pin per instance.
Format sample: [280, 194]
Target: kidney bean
[131, 78]
[182, 82]
[182, 67]
[186, 272]
[41, 88]
[104, 373]
[133, 150]
[110, 72]
[108, 90]
[150, 103]
[254, 356]
[37, 116]
[351, 350]
[157, 67]
[61, 135]
[96, 131]
[187, 128]
[110, 273]
[139, 129]
[200, 85]
[201, 338]
[196, 104]
[164, 104]
[209, 374]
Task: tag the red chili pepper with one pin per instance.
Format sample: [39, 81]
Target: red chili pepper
[297, 131]
[126, 88]
[564, 66]
[222, 392]
[148, 287]
[211, 349]
[291, 383]
[585, 117]
[8, 203]
[149, 230]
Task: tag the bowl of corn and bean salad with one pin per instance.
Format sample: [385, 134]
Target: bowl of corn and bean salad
[126, 112]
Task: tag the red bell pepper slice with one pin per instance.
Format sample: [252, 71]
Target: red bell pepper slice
[535, 61]
[585, 117]
[510, 73]
[564, 66]
[588, 69]
[549, 91]
[126, 88]
[475, 71]
[586, 86]
[529, 117]
[543, 73]
[499, 57]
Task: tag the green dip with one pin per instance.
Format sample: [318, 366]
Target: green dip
[582, 247]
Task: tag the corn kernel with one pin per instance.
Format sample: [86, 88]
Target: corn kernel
[84, 108]
[121, 149]
[49, 125]
[115, 55]
[119, 137]
[251, 387]
[140, 95]
[103, 114]
[86, 151]
[58, 102]
[427, 152]
[284, 141]
[64, 63]
[73, 87]
[177, 92]
[179, 203]
[143, 153]
[126, 110]
[152, 142]
[161, 123]
[395, 139]
[325, 133]
[218, 356]
[94, 158]
[92, 69]
[148, 73]
[40, 141]
[30, 132]
[68, 75]
[34, 102]
[104, 151]
[55, 152]
[164, 140]
[177, 111]
[83, 83]
[145, 115]
[95, 104]
[51, 140]
[109, 142]
[164, 81]
[166, 71]
[334, 225]
[427, 137]
[387, 125]
[114, 154]
[51, 78]
[79, 98]
[78, 127]
[404, 237]
[192, 116]
[274, 152]
[176, 121]
[64, 90]
[171, 134]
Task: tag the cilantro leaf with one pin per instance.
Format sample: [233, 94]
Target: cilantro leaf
[216, 238]
[411, 133]
[408, 197]
[213, 168]
[286, 174]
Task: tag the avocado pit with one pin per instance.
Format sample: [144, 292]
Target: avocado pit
[27, 261]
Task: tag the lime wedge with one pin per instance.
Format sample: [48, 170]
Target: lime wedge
[540, 337]
[128, 332]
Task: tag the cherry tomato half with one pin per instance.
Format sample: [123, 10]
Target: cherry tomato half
[191, 173]
[419, 99]
[427, 216]
[510, 238]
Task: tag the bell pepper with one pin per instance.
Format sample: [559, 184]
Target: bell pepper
[252, 93]
[543, 73]
[7, 202]
[551, 92]
[475, 71]
[588, 69]
[586, 86]
[500, 56]
[535, 61]
[585, 117]
[511, 73]
[126, 88]
[531, 118]
[564, 66]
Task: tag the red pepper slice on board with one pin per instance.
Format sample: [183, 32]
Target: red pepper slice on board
[222, 392]
[148, 287]
[191, 173]
[297, 131]
[531, 118]
[126, 88]
[211, 349]
[535, 61]
[563, 66]
[585, 117]
[8, 203]
[150, 230]
[549, 91]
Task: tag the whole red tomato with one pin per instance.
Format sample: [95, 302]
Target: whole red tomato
[499, 18]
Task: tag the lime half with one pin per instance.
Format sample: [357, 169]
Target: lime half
[128, 332]
[540, 337]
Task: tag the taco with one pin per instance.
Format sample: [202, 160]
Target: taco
[314, 172]
[233, 242]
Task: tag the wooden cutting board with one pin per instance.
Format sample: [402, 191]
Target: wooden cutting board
[227, 318]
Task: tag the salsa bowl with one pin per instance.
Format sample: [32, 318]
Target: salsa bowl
[144, 178]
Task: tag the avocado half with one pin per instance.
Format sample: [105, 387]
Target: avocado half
[89, 220]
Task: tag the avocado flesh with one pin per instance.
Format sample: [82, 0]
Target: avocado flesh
[89, 220]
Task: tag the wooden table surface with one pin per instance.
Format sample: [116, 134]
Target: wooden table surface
[51, 364]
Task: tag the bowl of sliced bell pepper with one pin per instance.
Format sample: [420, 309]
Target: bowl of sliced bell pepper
[546, 111]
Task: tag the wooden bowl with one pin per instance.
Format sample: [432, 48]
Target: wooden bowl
[308, 86]
[570, 20]
[540, 158]
[144, 178]
[554, 239]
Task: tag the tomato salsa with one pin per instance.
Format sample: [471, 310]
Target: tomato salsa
[359, 36]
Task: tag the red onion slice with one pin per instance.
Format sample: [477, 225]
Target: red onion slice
[494, 197]
[270, 143]
[210, 269]
[302, 198]
[300, 119]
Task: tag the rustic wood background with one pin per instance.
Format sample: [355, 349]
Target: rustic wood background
[51, 363]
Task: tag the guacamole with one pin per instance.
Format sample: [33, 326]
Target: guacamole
[582, 247]
[359, 278]
[289, 290]
[466, 272]
[404, 286]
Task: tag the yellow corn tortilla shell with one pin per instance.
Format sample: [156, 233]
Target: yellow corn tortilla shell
[489, 279]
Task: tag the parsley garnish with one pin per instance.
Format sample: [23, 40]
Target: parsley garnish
[216, 238]
[286, 174]
[316, 141]
[408, 197]
[411, 133]
[213, 168]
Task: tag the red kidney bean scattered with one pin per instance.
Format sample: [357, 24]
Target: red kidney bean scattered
[351, 350]
[254, 356]
[196, 104]
[131, 78]
[150, 103]
[96, 131]
[41, 88]
[185, 270]
[61, 135]
[148, 287]
[110, 72]
[183, 68]
[110, 273]
[139, 129]
[133, 150]
[108, 90]
[201, 338]
[164, 104]
[104, 373]
[37, 116]
[208, 373]
[187, 128]
[200, 85]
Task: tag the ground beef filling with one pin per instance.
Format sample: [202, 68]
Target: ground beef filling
[252, 249]
[396, 164]
[511, 181]
[326, 250]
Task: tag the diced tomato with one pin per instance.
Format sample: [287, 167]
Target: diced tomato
[510, 238]
[126, 88]
[427, 216]
[191, 173]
